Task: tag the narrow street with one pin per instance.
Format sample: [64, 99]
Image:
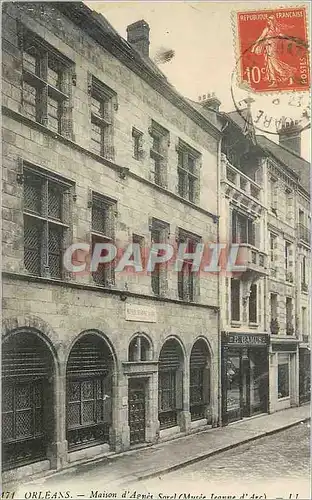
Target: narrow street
[275, 466]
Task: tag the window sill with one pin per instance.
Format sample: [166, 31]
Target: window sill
[236, 324]
[285, 398]
[253, 325]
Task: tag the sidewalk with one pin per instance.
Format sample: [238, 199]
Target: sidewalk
[152, 461]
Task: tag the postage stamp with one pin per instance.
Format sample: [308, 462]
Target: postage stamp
[273, 50]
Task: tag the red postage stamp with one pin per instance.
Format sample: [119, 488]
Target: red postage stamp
[273, 50]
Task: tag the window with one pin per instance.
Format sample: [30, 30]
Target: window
[273, 194]
[283, 376]
[273, 306]
[187, 279]
[235, 299]
[101, 118]
[46, 84]
[289, 206]
[188, 181]
[159, 234]
[289, 316]
[102, 231]
[243, 229]
[303, 273]
[159, 153]
[301, 216]
[253, 304]
[273, 243]
[167, 391]
[139, 349]
[137, 137]
[304, 322]
[288, 261]
[45, 222]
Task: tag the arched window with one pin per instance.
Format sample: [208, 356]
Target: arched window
[27, 399]
[139, 349]
[170, 380]
[199, 380]
[89, 392]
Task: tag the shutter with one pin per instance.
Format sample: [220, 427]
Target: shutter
[179, 389]
[89, 356]
[199, 355]
[25, 356]
[170, 356]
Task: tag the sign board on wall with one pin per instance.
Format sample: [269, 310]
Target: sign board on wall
[145, 314]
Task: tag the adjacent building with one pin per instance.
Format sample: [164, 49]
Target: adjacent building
[99, 147]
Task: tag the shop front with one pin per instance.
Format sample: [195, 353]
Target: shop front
[284, 371]
[245, 375]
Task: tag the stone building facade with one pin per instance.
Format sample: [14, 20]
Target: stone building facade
[264, 310]
[99, 147]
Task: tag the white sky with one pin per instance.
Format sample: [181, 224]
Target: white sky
[201, 35]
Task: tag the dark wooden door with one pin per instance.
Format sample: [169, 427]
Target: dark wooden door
[136, 405]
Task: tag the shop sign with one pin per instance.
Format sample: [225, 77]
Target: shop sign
[145, 314]
[284, 347]
[246, 339]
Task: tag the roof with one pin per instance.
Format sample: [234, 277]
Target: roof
[292, 161]
[298, 165]
[103, 33]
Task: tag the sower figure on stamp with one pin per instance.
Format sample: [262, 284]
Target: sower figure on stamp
[268, 45]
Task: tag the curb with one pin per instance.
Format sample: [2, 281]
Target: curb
[199, 458]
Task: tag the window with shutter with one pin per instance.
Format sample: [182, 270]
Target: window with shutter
[159, 153]
[89, 392]
[159, 234]
[170, 383]
[26, 398]
[47, 83]
[102, 231]
[45, 221]
[101, 107]
[188, 172]
[199, 380]
[188, 280]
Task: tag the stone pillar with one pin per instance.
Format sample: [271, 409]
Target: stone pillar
[184, 415]
[121, 430]
[57, 449]
[152, 424]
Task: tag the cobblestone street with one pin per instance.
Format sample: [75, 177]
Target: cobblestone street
[276, 466]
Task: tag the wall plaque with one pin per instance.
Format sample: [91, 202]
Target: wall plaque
[145, 314]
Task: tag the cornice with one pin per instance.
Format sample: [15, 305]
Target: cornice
[104, 290]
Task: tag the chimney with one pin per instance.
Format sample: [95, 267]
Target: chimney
[138, 37]
[210, 101]
[290, 136]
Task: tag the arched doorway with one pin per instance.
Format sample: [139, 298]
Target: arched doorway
[199, 380]
[89, 392]
[170, 383]
[27, 399]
